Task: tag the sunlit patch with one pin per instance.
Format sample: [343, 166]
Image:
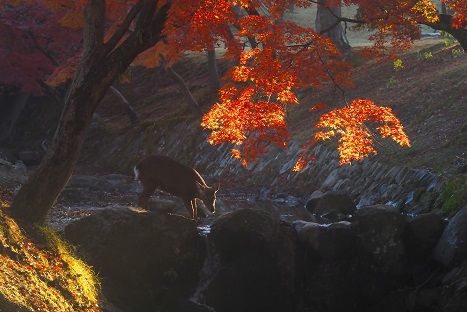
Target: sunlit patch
[204, 230]
[137, 209]
[43, 280]
[356, 139]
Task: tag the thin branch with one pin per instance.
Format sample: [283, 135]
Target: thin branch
[332, 77]
[134, 118]
[192, 103]
[123, 28]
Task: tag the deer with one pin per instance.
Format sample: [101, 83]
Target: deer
[165, 174]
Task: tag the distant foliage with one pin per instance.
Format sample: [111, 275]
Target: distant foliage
[33, 44]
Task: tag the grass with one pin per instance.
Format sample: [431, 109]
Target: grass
[42, 274]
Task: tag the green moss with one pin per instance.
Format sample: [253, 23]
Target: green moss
[453, 196]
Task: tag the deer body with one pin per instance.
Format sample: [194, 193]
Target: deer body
[163, 173]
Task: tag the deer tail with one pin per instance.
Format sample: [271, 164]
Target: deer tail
[136, 170]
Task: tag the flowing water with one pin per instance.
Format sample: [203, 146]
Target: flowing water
[284, 209]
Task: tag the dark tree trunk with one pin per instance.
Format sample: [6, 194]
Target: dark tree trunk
[213, 73]
[329, 25]
[100, 65]
[39, 193]
[444, 24]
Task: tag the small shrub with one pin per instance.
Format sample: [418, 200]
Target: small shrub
[398, 64]
[448, 42]
[392, 81]
[456, 52]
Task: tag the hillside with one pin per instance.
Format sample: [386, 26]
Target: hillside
[427, 94]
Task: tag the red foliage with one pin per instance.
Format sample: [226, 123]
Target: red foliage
[460, 9]
[33, 44]
[356, 139]
[283, 58]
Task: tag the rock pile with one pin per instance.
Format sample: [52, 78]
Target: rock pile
[377, 260]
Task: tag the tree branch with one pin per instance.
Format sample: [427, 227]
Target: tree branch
[134, 118]
[445, 24]
[123, 28]
[93, 30]
[339, 18]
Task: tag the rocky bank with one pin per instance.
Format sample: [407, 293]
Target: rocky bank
[248, 260]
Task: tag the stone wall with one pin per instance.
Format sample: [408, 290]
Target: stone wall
[369, 181]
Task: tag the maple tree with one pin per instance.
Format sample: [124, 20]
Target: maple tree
[251, 111]
[397, 22]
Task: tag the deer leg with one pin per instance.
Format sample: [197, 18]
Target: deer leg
[205, 210]
[191, 207]
[143, 200]
[195, 209]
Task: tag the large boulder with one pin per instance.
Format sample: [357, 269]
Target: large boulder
[381, 231]
[328, 276]
[422, 234]
[330, 241]
[147, 261]
[256, 263]
[451, 248]
[331, 206]
[338, 270]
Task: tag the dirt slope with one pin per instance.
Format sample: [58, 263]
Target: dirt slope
[428, 94]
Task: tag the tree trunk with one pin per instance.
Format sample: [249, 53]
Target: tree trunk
[39, 193]
[328, 24]
[134, 118]
[213, 74]
[10, 110]
[100, 66]
[444, 24]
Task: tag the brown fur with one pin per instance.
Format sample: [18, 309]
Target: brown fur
[168, 175]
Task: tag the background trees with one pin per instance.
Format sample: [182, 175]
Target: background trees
[328, 24]
[252, 108]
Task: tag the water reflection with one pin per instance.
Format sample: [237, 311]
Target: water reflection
[281, 210]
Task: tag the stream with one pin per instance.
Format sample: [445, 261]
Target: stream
[74, 204]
